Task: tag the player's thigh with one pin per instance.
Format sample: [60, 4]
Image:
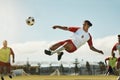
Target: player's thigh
[56, 45]
[2, 67]
[70, 47]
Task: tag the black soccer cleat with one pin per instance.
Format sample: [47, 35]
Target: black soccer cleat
[60, 56]
[10, 76]
[47, 52]
[2, 78]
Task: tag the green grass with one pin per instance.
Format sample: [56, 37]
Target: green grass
[36, 77]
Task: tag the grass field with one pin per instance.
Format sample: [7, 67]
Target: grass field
[35, 77]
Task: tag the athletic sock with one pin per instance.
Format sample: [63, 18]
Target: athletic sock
[58, 53]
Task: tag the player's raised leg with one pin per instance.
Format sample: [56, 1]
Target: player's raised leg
[56, 48]
[59, 47]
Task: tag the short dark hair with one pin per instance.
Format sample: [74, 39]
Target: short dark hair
[119, 35]
[89, 23]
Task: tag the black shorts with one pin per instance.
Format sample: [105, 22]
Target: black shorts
[110, 70]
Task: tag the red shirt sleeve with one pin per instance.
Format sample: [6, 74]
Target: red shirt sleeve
[73, 29]
[90, 43]
[114, 47]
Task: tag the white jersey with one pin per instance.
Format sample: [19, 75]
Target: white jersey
[80, 37]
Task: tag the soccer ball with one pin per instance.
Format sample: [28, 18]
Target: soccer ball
[118, 78]
[30, 21]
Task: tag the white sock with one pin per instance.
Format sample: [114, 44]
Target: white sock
[58, 53]
[58, 50]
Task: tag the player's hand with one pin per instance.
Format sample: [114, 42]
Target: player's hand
[101, 52]
[56, 26]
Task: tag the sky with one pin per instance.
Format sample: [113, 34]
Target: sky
[29, 42]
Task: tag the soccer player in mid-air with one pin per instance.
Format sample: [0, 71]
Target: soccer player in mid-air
[80, 37]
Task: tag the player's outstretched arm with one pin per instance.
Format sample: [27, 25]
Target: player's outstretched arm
[13, 55]
[106, 61]
[114, 49]
[96, 50]
[60, 27]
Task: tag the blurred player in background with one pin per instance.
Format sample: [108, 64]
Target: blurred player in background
[111, 64]
[115, 48]
[5, 57]
[80, 37]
